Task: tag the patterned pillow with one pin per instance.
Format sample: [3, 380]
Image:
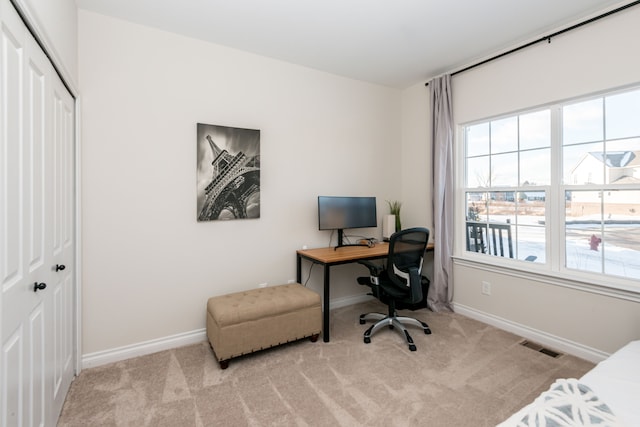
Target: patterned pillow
[567, 403]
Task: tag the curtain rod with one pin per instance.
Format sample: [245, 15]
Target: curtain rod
[546, 38]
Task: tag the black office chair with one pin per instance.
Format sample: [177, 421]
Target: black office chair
[400, 285]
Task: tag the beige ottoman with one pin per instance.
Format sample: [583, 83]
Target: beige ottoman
[244, 322]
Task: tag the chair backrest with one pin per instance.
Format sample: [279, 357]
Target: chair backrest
[494, 244]
[406, 253]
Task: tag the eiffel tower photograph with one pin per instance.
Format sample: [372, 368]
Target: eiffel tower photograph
[228, 173]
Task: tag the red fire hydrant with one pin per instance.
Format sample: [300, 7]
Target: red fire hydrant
[594, 242]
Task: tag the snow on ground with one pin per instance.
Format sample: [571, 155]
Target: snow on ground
[614, 255]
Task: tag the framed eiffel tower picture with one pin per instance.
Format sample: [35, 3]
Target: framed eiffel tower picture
[228, 173]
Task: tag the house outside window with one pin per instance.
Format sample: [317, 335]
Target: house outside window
[558, 187]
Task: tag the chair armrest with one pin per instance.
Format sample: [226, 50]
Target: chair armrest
[374, 269]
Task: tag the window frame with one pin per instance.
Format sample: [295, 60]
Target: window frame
[554, 267]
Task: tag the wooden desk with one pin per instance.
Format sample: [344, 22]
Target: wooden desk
[328, 257]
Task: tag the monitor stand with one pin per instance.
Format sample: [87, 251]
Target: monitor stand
[340, 240]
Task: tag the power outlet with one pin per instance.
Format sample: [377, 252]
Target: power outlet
[486, 288]
[291, 281]
[263, 285]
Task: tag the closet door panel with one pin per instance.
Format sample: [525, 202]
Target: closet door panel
[37, 233]
[63, 220]
[15, 303]
[11, 212]
[35, 154]
[37, 196]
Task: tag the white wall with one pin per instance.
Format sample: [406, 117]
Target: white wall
[416, 158]
[593, 58]
[55, 22]
[416, 164]
[149, 266]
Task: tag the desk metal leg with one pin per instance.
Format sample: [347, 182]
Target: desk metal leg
[325, 311]
[325, 302]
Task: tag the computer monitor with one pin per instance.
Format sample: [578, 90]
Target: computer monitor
[340, 213]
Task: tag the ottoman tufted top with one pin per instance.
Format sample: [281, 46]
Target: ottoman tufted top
[258, 303]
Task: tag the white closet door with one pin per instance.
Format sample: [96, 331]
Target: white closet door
[63, 225]
[36, 230]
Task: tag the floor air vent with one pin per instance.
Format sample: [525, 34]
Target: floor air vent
[541, 349]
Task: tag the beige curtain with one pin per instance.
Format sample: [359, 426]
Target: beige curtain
[441, 291]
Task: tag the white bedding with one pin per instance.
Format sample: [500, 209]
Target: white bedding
[606, 396]
[616, 381]
[567, 403]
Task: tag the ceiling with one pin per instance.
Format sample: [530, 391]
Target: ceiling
[395, 43]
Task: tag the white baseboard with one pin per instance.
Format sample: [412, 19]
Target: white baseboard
[350, 300]
[99, 358]
[104, 357]
[540, 337]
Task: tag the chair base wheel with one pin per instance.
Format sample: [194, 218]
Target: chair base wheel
[395, 322]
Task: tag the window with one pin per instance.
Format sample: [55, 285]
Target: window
[559, 186]
[507, 180]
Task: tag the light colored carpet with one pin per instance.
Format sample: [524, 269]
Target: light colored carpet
[464, 374]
